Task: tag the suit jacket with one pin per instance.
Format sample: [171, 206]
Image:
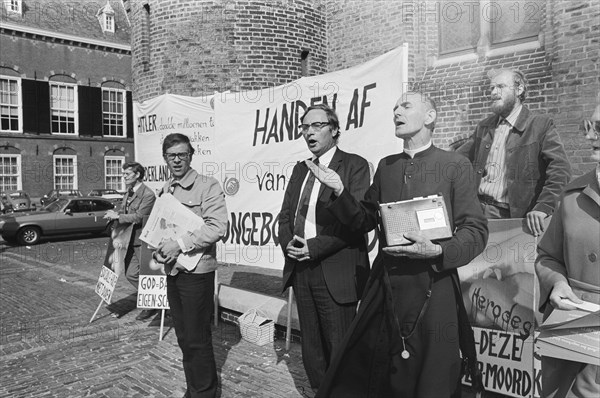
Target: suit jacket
[537, 165]
[139, 208]
[341, 253]
[569, 250]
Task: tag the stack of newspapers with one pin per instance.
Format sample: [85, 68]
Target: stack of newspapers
[572, 335]
[171, 220]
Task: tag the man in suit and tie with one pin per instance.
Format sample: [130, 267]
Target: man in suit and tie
[137, 204]
[325, 263]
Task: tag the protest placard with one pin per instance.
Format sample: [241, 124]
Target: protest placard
[106, 284]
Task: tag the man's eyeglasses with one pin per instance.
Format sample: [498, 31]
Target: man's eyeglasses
[180, 155]
[499, 87]
[315, 126]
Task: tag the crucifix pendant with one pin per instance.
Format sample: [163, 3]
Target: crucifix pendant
[405, 354]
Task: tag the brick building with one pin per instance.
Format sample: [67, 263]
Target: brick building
[65, 95]
[197, 47]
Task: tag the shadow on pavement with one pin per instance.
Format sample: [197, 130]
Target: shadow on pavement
[123, 306]
[260, 283]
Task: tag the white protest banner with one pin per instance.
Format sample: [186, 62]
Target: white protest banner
[251, 142]
[259, 141]
[156, 118]
[499, 292]
[106, 284]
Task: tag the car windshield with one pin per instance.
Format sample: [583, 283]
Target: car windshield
[16, 195]
[56, 205]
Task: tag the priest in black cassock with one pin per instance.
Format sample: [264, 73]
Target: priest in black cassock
[410, 329]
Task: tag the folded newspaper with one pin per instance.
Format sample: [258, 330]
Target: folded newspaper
[170, 219]
[572, 335]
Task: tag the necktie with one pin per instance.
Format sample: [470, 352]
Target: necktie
[130, 193]
[303, 203]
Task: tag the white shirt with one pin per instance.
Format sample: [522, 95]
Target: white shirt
[310, 227]
[494, 184]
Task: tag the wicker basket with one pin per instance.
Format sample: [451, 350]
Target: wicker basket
[255, 328]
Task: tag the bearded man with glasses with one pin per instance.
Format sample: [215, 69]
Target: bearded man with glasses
[191, 292]
[326, 264]
[520, 162]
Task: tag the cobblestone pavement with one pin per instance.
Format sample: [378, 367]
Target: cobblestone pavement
[48, 348]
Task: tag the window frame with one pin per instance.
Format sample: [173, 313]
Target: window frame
[487, 42]
[19, 104]
[109, 22]
[124, 114]
[120, 172]
[55, 175]
[14, 6]
[75, 107]
[19, 173]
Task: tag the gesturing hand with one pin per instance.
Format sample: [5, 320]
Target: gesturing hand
[326, 176]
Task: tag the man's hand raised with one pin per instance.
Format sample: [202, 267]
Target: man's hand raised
[326, 176]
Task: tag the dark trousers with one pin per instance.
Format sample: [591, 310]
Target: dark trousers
[132, 264]
[323, 322]
[191, 302]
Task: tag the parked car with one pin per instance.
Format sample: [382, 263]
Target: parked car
[60, 217]
[15, 201]
[60, 193]
[109, 194]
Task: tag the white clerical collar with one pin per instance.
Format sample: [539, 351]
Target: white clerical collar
[325, 158]
[413, 152]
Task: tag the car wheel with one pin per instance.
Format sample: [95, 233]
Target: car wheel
[29, 235]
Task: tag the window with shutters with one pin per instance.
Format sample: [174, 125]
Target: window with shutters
[113, 112]
[466, 27]
[63, 108]
[113, 171]
[10, 173]
[11, 111]
[65, 172]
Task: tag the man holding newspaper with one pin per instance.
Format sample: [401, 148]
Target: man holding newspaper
[190, 287]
